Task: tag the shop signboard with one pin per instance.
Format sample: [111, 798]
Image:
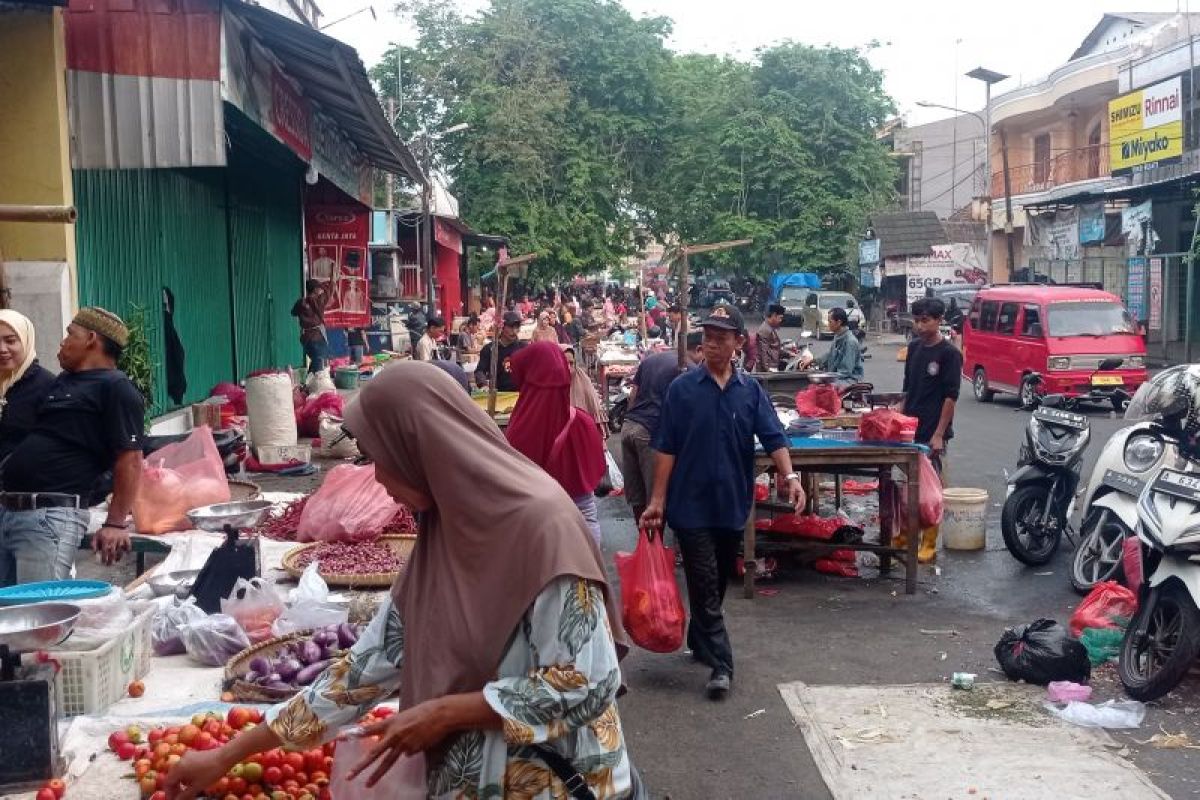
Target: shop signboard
[336, 237]
[1156, 294]
[1135, 292]
[1091, 223]
[868, 251]
[949, 263]
[1146, 128]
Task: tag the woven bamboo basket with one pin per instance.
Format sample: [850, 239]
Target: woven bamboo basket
[236, 667]
[401, 544]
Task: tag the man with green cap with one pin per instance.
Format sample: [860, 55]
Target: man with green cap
[90, 422]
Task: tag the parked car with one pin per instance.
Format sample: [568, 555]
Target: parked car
[715, 291]
[957, 297]
[811, 308]
[1064, 333]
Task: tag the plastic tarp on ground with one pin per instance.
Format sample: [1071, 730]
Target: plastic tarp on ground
[806, 280]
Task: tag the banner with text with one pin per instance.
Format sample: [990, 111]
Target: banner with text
[1146, 128]
[946, 263]
[336, 239]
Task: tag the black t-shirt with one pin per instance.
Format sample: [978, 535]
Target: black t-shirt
[87, 419]
[505, 382]
[21, 405]
[652, 378]
[932, 374]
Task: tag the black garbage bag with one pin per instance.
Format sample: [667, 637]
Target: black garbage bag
[232, 560]
[1042, 651]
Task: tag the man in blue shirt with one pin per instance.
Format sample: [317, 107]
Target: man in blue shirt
[704, 480]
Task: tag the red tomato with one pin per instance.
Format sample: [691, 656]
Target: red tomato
[237, 717]
[204, 741]
[314, 761]
[155, 736]
[295, 760]
[125, 751]
[159, 795]
[212, 727]
[237, 785]
[57, 786]
[272, 776]
[288, 771]
[46, 794]
[116, 739]
[148, 784]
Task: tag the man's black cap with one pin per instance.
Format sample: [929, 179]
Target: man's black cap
[512, 318]
[726, 317]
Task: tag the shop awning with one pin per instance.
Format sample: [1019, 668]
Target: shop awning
[469, 236]
[333, 76]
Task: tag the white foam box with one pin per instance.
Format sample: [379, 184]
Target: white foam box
[282, 454]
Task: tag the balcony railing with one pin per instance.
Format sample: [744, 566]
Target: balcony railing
[1081, 164]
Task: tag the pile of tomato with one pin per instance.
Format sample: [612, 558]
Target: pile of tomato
[274, 775]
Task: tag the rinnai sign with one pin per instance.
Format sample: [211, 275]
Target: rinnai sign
[1145, 128]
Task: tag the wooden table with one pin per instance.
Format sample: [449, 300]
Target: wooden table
[140, 545]
[609, 373]
[816, 456]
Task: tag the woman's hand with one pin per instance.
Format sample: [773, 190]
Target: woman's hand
[196, 771]
[413, 731]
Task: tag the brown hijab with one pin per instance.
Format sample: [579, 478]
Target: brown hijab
[500, 529]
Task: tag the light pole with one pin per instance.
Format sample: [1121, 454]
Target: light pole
[426, 151]
[989, 77]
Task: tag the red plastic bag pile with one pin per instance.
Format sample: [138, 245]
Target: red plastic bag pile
[1108, 605]
[808, 526]
[841, 563]
[821, 400]
[235, 394]
[651, 609]
[308, 416]
[886, 425]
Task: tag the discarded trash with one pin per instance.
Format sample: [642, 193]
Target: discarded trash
[754, 714]
[1108, 605]
[1171, 741]
[1066, 691]
[947, 632]
[1041, 652]
[768, 592]
[943, 655]
[963, 680]
[866, 736]
[1102, 644]
[1110, 714]
[996, 705]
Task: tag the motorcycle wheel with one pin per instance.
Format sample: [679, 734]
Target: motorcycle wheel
[616, 415]
[1023, 535]
[1155, 665]
[1100, 551]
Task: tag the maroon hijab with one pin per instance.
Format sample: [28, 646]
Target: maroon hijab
[499, 532]
[552, 433]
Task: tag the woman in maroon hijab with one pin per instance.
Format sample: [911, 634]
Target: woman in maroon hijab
[557, 436]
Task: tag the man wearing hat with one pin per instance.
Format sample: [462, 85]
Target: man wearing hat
[509, 343]
[704, 480]
[90, 422]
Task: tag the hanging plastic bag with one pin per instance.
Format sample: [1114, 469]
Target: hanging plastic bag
[1110, 714]
[350, 506]
[255, 605]
[821, 400]
[931, 495]
[886, 425]
[1040, 652]
[167, 626]
[1108, 605]
[179, 477]
[651, 609]
[309, 607]
[214, 639]
[615, 478]
[406, 780]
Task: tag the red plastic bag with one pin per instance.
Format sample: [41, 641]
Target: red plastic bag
[808, 526]
[1108, 605]
[235, 394]
[308, 416]
[821, 400]
[350, 506]
[651, 609]
[1131, 562]
[886, 425]
[931, 495]
[178, 478]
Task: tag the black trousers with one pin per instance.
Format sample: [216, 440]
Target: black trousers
[709, 562]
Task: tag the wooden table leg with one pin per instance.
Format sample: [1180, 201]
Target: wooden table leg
[748, 559]
[912, 471]
[838, 497]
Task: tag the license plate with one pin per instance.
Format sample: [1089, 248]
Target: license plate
[1107, 380]
[1178, 484]
[1057, 416]
[1126, 484]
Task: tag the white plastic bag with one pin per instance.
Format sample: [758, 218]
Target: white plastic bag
[1110, 714]
[214, 639]
[100, 620]
[334, 443]
[309, 607]
[255, 605]
[615, 478]
[167, 626]
[319, 382]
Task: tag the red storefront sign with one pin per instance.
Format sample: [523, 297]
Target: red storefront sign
[336, 237]
[290, 115]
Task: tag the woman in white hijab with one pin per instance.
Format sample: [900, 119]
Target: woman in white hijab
[24, 383]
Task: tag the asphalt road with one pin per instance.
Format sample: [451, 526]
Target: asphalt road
[825, 630]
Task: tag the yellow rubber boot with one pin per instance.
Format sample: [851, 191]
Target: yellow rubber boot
[927, 553]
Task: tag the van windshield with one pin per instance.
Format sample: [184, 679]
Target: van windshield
[796, 295]
[1092, 318]
[825, 302]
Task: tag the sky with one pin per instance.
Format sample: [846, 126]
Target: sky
[927, 44]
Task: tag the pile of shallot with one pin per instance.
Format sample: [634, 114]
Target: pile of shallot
[284, 526]
[351, 558]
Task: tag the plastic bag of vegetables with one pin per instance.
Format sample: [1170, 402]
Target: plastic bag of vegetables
[167, 626]
[255, 605]
[214, 639]
[177, 478]
[309, 607]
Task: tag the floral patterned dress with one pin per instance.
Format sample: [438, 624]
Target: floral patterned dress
[556, 686]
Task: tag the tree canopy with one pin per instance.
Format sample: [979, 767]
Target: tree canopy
[588, 135]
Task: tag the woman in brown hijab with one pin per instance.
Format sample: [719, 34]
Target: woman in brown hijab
[499, 633]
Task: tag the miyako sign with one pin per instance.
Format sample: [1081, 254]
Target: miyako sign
[1145, 128]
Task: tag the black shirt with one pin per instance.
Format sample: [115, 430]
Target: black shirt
[932, 374]
[87, 419]
[21, 405]
[652, 378]
[505, 382]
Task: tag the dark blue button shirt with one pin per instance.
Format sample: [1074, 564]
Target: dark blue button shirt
[711, 433]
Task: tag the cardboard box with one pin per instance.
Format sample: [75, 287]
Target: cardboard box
[282, 454]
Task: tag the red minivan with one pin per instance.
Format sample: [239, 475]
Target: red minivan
[1063, 333]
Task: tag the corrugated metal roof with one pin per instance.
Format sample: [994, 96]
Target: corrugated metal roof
[334, 77]
[908, 233]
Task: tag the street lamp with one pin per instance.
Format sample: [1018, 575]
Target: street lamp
[989, 77]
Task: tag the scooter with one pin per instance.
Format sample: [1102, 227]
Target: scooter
[1041, 493]
[619, 404]
[1162, 641]
[1110, 517]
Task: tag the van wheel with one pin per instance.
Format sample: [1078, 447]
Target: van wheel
[1028, 393]
[982, 393]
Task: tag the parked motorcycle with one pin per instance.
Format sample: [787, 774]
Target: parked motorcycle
[1041, 493]
[618, 405]
[1162, 641]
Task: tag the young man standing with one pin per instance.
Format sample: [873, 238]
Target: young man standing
[704, 479]
[310, 312]
[932, 376]
[509, 343]
[427, 345]
[767, 339]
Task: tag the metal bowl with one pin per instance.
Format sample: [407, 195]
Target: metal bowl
[169, 583]
[240, 514]
[36, 627]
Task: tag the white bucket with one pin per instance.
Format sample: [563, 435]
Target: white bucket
[964, 520]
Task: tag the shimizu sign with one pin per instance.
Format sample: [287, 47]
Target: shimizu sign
[1145, 128]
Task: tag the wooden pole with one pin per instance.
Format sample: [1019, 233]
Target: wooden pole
[501, 294]
[681, 337]
[23, 213]
[1008, 217]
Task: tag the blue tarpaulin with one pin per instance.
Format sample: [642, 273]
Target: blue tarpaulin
[807, 280]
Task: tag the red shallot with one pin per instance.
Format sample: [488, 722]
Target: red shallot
[351, 558]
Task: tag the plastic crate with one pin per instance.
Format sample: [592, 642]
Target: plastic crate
[92, 680]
